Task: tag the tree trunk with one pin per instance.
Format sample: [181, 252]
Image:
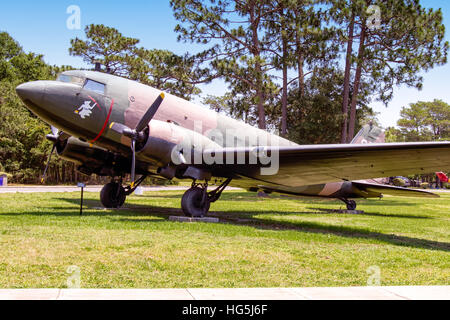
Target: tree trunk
[348, 65]
[301, 75]
[284, 103]
[63, 172]
[256, 50]
[260, 98]
[357, 83]
[285, 86]
[300, 56]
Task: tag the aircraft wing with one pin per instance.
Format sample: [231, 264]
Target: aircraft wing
[316, 164]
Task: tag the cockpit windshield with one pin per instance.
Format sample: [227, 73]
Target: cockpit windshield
[71, 79]
[94, 86]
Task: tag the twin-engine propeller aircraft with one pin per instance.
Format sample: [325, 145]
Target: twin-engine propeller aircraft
[112, 126]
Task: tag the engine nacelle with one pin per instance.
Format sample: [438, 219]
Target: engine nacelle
[166, 139]
[91, 159]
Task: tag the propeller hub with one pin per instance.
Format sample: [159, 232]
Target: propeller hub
[131, 133]
[51, 137]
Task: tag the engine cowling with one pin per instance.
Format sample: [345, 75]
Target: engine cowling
[164, 139]
[91, 159]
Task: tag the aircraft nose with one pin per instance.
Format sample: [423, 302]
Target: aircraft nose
[31, 91]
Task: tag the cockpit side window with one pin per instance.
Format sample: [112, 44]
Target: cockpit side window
[94, 86]
[71, 79]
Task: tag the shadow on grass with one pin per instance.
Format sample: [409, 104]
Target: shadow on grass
[373, 214]
[241, 196]
[252, 197]
[149, 209]
[248, 218]
[342, 231]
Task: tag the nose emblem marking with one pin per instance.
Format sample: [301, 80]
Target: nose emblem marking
[85, 109]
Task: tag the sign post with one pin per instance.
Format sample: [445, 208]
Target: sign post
[81, 185]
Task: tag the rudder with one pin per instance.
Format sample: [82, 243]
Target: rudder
[369, 134]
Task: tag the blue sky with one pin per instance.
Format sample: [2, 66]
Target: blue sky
[40, 26]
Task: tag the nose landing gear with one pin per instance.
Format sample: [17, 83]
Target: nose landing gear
[197, 200]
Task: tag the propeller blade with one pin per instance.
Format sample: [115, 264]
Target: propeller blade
[136, 134]
[48, 163]
[150, 113]
[133, 161]
[118, 127]
[55, 131]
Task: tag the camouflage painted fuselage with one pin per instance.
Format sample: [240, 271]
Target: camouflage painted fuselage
[87, 110]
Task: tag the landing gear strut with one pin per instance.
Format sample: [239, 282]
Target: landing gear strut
[197, 200]
[113, 194]
[351, 204]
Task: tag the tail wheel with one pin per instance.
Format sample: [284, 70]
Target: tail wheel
[351, 205]
[195, 203]
[112, 195]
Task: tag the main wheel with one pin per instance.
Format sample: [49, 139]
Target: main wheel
[191, 203]
[112, 195]
[351, 205]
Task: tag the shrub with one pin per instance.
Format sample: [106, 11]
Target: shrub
[424, 185]
[9, 176]
[398, 182]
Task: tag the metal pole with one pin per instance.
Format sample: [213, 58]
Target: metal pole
[81, 203]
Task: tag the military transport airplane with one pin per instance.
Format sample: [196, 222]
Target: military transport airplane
[112, 126]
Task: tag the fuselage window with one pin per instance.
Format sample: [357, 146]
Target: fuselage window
[94, 86]
[71, 79]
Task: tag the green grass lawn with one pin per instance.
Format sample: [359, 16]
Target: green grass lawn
[260, 242]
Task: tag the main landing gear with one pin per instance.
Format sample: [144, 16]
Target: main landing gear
[351, 204]
[197, 200]
[194, 203]
[113, 194]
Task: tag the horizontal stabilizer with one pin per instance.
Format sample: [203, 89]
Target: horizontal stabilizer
[371, 188]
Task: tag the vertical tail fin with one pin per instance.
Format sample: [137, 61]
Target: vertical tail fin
[369, 134]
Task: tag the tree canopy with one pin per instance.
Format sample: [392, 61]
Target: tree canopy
[120, 55]
[22, 135]
[423, 121]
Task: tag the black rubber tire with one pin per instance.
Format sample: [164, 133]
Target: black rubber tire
[351, 205]
[109, 197]
[191, 203]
